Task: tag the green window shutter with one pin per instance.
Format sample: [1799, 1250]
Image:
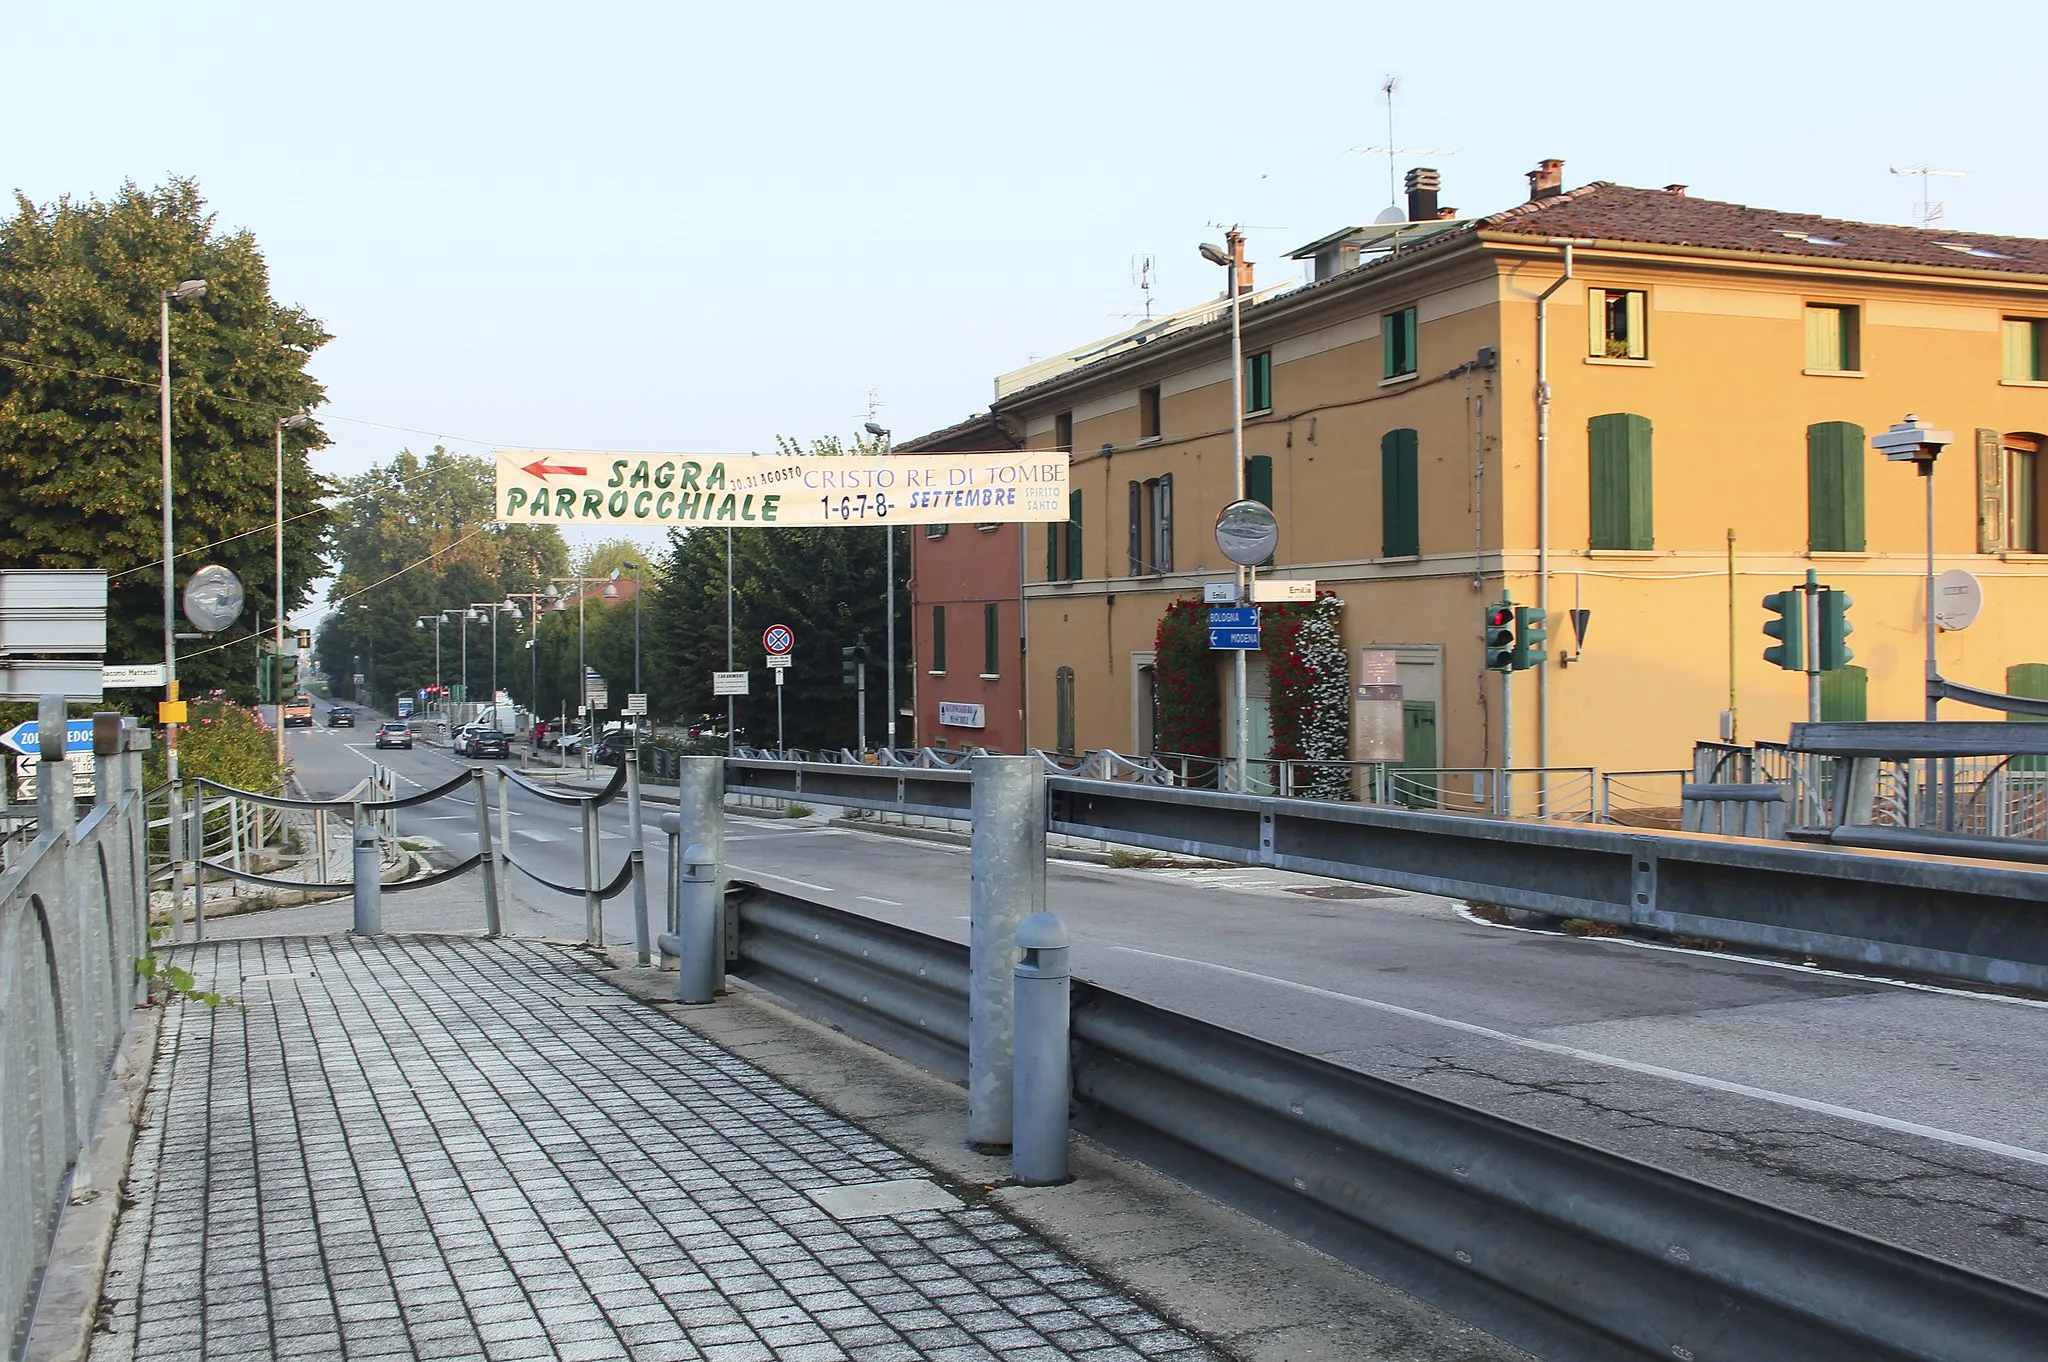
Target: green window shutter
[938, 638]
[1074, 536]
[1390, 344]
[1400, 501]
[1137, 534]
[1408, 340]
[1834, 487]
[1845, 695]
[1619, 449]
[1258, 479]
[1258, 381]
[1052, 550]
[991, 647]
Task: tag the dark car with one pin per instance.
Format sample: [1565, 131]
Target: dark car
[341, 718]
[489, 742]
[611, 748]
[397, 733]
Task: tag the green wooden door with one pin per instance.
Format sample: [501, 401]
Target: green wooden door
[1418, 753]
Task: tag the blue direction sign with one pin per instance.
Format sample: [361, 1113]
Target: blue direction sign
[26, 738]
[1234, 617]
[1234, 638]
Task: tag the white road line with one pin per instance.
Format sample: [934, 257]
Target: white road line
[771, 875]
[1782, 1099]
[886, 903]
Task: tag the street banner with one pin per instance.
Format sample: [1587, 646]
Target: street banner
[538, 486]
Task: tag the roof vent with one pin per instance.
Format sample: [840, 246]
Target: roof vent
[1422, 185]
[1546, 181]
[1677, 189]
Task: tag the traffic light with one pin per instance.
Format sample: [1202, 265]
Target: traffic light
[1835, 629]
[305, 639]
[1499, 633]
[1789, 628]
[284, 676]
[852, 658]
[1530, 636]
[266, 680]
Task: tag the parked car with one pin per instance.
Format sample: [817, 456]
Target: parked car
[464, 738]
[611, 748]
[341, 717]
[396, 733]
[489, 742]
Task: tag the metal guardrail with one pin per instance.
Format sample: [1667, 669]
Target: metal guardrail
[73, 911]
[1976, 920]
[1658, 1263]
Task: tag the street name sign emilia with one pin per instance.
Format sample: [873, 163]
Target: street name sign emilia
[634, 490]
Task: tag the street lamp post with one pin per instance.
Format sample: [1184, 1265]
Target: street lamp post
[296, 422]
[1913, 441]
[1232, 259]
[421, 623]
[495, 608]
[888, 596]
[191, 288]
[583, 585]
[613, 591]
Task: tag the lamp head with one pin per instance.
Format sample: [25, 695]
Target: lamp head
[298, 421]
[191, 288]
[874, 430]
[1215, 255]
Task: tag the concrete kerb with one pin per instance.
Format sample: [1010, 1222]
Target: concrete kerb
[1251, 1290]
[68, 1300]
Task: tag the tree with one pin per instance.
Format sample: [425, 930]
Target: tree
[416, 540]
[80, 284]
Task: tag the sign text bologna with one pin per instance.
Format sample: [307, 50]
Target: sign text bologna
[773, 489]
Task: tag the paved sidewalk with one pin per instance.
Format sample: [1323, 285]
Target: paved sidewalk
[452, 1147]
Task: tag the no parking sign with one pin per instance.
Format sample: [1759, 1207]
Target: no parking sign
[778, 639]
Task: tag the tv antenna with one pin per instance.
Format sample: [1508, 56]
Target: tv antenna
[1394, 212]
[1142, 269]
[1928, 212]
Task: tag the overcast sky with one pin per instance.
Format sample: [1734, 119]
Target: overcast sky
[676, 226]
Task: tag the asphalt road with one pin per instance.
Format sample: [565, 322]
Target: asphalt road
[1916, 1114]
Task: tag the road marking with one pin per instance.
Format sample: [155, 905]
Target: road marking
[886, 903]
[771, 875]
[1782, 1099]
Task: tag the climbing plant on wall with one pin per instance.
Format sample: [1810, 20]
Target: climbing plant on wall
[1190, 717]
[1308, 676]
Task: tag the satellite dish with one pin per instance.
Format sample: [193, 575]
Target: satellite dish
[213, 598]
[1247, 533]
[1392, 213]
[1958, 597]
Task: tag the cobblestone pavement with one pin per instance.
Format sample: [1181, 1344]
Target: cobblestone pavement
[450, 1147]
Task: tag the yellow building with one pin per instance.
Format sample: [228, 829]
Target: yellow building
[1576, 401]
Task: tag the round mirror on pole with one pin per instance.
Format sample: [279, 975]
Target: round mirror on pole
[213, 598]
[1247, 533]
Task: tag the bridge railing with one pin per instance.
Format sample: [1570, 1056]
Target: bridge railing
[73, 923]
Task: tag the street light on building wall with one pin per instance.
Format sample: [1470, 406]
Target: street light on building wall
[1914, 441]
[888, 593]
[1231, 257]
[191, 288]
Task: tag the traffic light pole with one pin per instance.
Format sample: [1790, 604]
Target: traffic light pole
[860, 706]
[1811, 610]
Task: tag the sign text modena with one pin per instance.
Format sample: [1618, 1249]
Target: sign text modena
[554, 486]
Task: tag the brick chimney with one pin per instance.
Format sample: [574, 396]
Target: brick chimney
[1422, 186]
[1233, 240]
[1546, 181]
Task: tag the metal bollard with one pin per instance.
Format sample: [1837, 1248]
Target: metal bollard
[1007, 864]
[198, 841]
[700, 804]
[1038, 1144]
[369, 888]
[695, 941]
[672, 828]
[493, 921]
[636, 843]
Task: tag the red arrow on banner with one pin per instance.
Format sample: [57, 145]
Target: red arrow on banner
[541, 469]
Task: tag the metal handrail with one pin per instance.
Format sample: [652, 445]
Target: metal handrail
[601, 797]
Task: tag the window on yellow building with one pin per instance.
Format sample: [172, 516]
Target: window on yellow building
[1834, 487]
[1397, 343]
[1619, 452]
[1833, 340]
[938, 640]
[1619, 322]
[991, 640]
[1400, 497]
[1148, 413]
[1258, 381]
[2027, 524]
[2026, 349]
[1063, 543]
[1151, 530]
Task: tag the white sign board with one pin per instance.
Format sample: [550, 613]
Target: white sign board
[597, 695]
[145, 674]
[779, 661]
[81, 764]
[636, 704]
[555, 487]
[1219, 593]
[1268, 591]
[956, 715]
[728, 683]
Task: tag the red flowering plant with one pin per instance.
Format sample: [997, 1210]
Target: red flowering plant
[1308, 680]
[1190, 714]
